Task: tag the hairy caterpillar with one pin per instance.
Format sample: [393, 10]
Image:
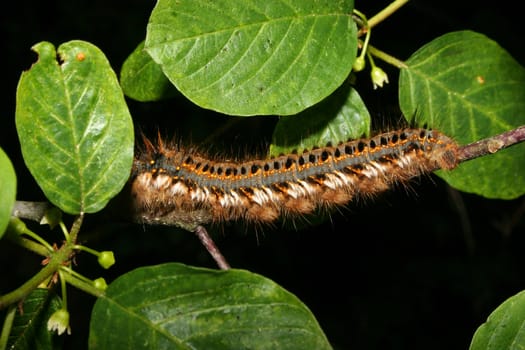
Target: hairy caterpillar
[174, 186]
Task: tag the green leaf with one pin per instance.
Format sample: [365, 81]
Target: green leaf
[173, 306]
[7, 191]
[467, 86]
[30, 328]
[74, 126]
[505, 327]
[252, 57]
[340, 117]
[142, 79]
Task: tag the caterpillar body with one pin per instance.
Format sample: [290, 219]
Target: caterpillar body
[175, 186]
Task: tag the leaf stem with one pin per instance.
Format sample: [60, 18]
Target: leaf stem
[386, 57]
[35, 247]
[63, 288]
[17, 228]
[28, 244]
[6, 329]
[75, 274]
[64, 231]
[82, 283]
[386, 12]
[86, 249]
[365, 29]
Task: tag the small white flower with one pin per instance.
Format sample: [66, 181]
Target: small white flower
[59, 321]
[379, 77]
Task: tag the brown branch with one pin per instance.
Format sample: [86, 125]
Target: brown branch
[206, 240]
[492, 144]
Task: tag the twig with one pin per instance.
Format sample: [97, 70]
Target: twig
[206, 240]
[492, 144]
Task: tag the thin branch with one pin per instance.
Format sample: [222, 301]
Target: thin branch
[492, 144]
[207, 241]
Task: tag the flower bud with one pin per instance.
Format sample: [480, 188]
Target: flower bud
[359, 64]
[100, 284]
[106, 259]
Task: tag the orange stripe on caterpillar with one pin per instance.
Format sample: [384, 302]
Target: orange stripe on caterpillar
[174, 186]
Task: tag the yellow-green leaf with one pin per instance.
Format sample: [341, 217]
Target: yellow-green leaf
[74, 126]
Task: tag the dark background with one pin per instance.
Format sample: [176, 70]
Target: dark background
[418, 267]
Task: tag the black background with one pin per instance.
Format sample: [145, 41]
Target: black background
[417, 267]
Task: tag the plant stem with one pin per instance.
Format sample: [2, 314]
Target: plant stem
[18, 228]
[82, 284]
[21, 292]
[63, 288]
[39, 239]
[386, 12]
[28, 244]
[56, 261]
[86, 249]
[386, 57]
[75, 228]
[6, 329]
[210, 246]
[64, 231]
[75, 274]
[33, 246]
[491, 144]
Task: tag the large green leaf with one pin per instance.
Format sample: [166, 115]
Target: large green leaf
[173, 306]
[142, 79]
[30, 327]
[7, 191]
[505, 327]
[252, 57]
[74, 126]
[470, 88]
[339, 117]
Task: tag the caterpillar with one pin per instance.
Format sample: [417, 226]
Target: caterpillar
[171, 185]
